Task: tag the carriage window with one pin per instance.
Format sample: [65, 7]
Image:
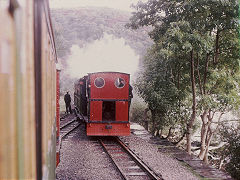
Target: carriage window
[99, 82]
[119, 83]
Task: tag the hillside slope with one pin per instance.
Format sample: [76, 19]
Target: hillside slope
[85, 25]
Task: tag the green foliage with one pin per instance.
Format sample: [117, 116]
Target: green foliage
[137, 110]
[231, 135]
[209, 30]
[156, 86]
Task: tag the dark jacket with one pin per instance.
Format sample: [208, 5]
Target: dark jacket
[67, 98]
[130, 91]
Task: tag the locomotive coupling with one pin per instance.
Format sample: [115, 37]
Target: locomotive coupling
[108, 126]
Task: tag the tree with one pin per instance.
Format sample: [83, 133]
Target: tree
[161, 90]
[201, 41]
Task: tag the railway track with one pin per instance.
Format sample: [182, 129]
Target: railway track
[63, 116]
[68, 127]
[129, 164]
[65, 130]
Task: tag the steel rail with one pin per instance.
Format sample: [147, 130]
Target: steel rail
[150, 172]
[67, 124]
[63, 117]
[64, 135]
[69, 131]
[112, 159]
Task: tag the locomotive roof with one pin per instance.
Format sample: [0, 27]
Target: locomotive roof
[108, 72]
[77, 81]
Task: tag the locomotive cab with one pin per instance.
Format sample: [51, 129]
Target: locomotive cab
[107, 96]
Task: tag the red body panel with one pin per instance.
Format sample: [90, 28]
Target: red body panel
[109, 90]
[57, 103]
[99, 129]
[121, 111]
[96, 111]
[57, 118]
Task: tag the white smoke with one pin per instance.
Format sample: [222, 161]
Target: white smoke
[106, 54]
[116, 4]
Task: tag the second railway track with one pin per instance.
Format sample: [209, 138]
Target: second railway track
[128, 163]
[68, 127]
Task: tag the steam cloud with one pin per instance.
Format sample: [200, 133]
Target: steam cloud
[106, 54]
[116, 4]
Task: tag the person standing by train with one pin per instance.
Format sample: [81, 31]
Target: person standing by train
[67, 99]
[130, 96]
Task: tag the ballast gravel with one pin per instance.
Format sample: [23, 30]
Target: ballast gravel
[82, 158]
[163, 164]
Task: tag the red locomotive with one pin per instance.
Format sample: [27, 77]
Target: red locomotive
[102, 101]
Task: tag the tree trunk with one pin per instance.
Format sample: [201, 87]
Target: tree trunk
[203, 134]
[210, 133]
[193, 116]
[160, 132]
[189, 140]
[221, 163]
[180, 140]
[169, 132]
[199, 77]
[145, 116]
[153, 121]
[217, 50]
[208, 140]
[205, 74]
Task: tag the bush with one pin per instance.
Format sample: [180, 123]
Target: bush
[137, 111]
[231, 135]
